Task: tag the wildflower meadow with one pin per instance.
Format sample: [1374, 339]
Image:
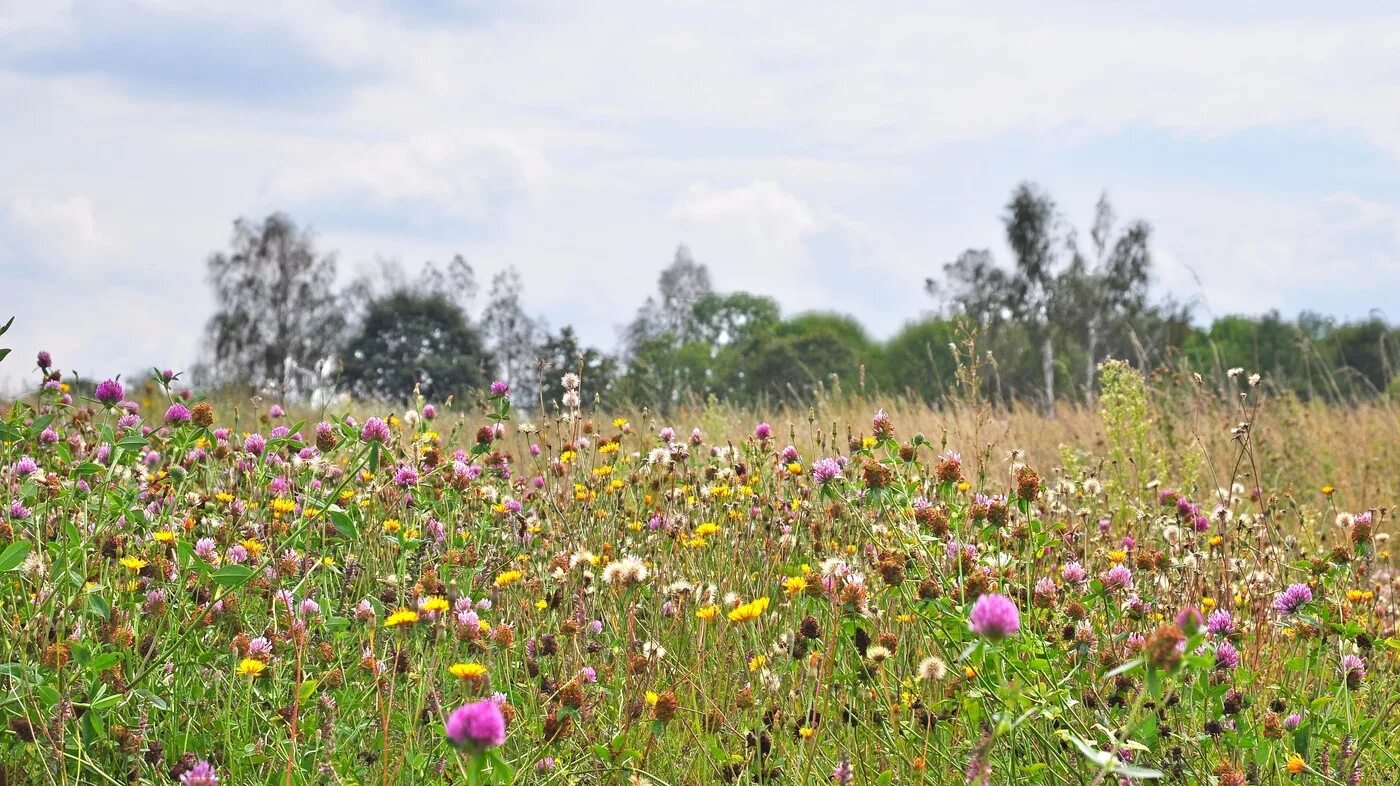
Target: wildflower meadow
[206, 591]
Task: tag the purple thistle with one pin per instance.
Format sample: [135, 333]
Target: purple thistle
[478, 725]
[826, 470]
[1295, 597]
[375, 430]
[1226, 656]
[201, 774]
[995, 616]
[1220, 623]
[109, 392]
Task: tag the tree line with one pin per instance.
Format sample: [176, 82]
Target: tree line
[1037, 326]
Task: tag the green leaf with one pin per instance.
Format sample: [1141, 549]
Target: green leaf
[232, 575]
[104, 661]
[132, 442]
[13, 556]
[885, 778]
[343, 523]
[308, 688]
[88, 468]
[5, 327]
[152, 699]
[106, 702]
[98, 606]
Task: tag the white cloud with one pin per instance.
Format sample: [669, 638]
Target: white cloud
[42, 231]
[459, 176]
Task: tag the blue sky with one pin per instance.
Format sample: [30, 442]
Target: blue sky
[826, 153]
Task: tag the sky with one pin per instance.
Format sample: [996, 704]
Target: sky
[830, 154]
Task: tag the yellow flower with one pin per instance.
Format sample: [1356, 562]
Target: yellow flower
[619, 422]
[224, 497]
[707, 529]
[133, 564]
[253, 545]
[757, 662]
[1328, 490]
[283, 505]
[652, 697]
[164, 536]
[806, 732]
[1296, 765]
[508, 578]
[794, 585]
[868, 442]
[795, 468]
[609, 448]
[435, 603]
[567, 456]
[964, 486]
[749, 611]
[392, 525]
[467, 671]
[251, 667]
[401, 617]
[1117, 555]
[707, 612]
[1207, 605]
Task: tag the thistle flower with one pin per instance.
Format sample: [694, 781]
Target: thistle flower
[375, 430]
[995, 616]
[826, 470]
[477, 726]
[1295, 597]
[109, 392]
[201, 774]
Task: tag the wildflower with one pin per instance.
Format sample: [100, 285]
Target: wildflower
[177, 414]
[254, 444]
[109, 392]
[844, 774]
[467, 671]
[826, 470]
[500, 388]
[1220, 622]
[1353, 671]
[477, 726]
[707, 612]
[201, 774]
[401, 617]
[508, 578]
[1296, 765]
[434, 604]
[995, 616]
[1295, 597]
[763, 431]
[932, 669]
[626, 572]
[250, 667]
[1074, 573]
[794, 585]
[1117, 578]
[746, 612]
[132, 563]
[1226, 656]
[375, 430]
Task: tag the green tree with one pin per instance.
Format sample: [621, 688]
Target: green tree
[561, 353]
[412, 338]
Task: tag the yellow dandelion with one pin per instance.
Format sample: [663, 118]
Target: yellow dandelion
[749, 611]
[250, 667]
[707, 529]
[707, 612]
[794, 585]
[401, 617]
[508, 578]
[133, 564]
[467, 671]
[164, 536]
[435, 603]
[1296, 765]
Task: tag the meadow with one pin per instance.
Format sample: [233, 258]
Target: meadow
[1186, 581]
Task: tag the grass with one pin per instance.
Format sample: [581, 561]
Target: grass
[642, 606]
